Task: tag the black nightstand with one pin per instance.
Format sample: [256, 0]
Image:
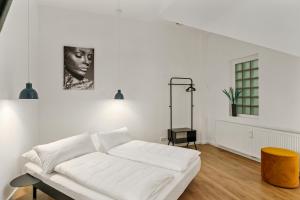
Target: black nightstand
[191, 136]
[26, 180]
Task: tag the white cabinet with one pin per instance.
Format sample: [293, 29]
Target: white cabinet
[234, 136]
[249, 140]
[259, 140]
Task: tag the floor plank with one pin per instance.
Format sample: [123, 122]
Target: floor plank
[223, 176]
[228, 176]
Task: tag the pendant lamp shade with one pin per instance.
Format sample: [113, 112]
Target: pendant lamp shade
[119, 95]
[28, 92]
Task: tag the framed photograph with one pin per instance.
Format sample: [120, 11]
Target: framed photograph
[78, 68]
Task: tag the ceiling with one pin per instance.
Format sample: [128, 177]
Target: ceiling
[273, 24]
[139, 9]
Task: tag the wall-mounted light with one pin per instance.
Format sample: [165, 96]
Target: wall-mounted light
[28, 92]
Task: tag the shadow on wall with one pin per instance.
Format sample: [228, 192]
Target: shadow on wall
[18, 133]
[8, 120]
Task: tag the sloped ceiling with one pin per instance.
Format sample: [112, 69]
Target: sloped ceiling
[139, 9]
[273, 24]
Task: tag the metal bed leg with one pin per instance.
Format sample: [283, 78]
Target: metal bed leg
[34, 189]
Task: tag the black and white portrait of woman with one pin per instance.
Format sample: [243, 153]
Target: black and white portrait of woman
[78, 68]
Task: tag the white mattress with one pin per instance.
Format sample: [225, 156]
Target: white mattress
[76, 191]
[159, 155]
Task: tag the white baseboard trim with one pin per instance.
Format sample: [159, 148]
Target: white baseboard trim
[236, 152]
[12, 194]
[191, 143]
[202, 142]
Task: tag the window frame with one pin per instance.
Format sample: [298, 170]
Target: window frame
[233, 79]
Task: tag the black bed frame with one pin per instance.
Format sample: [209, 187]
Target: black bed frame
[52, 192]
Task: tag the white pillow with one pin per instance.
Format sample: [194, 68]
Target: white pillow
[95, 139]
[33, 157]
[57, 152]
[114, 138]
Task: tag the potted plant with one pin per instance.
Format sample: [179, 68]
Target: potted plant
[232, 95]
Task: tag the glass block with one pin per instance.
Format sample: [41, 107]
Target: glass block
[254, 111]
[239, 110]
[254, 73]
[246, 92]
[239, 75]
[239, 101]
[246, 101]
[254, 64]
[254, 83]
[254, 92]
[254, 101]
[238, 84]
[246, 83]
[246, 65]
[246, 74]
[247, 111]
[238, 67]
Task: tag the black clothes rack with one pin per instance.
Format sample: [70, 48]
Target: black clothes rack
[191, 134]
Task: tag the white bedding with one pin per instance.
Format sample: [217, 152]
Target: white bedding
[117, 178]
[79, 192]
[64, 184]
[53, 153]
[168, 157]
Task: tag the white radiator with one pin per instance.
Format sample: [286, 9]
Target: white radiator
[250, 139]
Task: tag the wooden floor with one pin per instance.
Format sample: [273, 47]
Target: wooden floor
[223, 176]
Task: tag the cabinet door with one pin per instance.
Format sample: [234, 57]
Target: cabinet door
[260, 140]
[234, 136]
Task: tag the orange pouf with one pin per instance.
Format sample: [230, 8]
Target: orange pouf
[280, 167]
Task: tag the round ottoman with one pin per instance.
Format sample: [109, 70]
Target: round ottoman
[280, 167]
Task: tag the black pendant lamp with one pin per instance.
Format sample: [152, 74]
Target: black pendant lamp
[119, 95]
[28, 92]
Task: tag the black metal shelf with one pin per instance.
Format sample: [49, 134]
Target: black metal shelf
[190, 132]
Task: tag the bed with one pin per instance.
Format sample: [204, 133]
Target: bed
[77, 191]
[73, 168]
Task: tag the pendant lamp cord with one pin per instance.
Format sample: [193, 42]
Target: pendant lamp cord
[119, 11]
[28, 40]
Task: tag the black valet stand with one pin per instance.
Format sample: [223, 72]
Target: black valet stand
[191, 134]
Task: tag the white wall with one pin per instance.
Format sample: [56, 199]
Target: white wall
[278, 85]
[151, 53]
[18, 119]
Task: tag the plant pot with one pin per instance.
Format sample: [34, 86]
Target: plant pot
[233, 110]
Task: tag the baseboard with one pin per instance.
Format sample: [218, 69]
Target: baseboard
[184, 144]
[11, 194]
[235, 152]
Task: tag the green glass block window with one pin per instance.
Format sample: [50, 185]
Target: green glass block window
[246, 80]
